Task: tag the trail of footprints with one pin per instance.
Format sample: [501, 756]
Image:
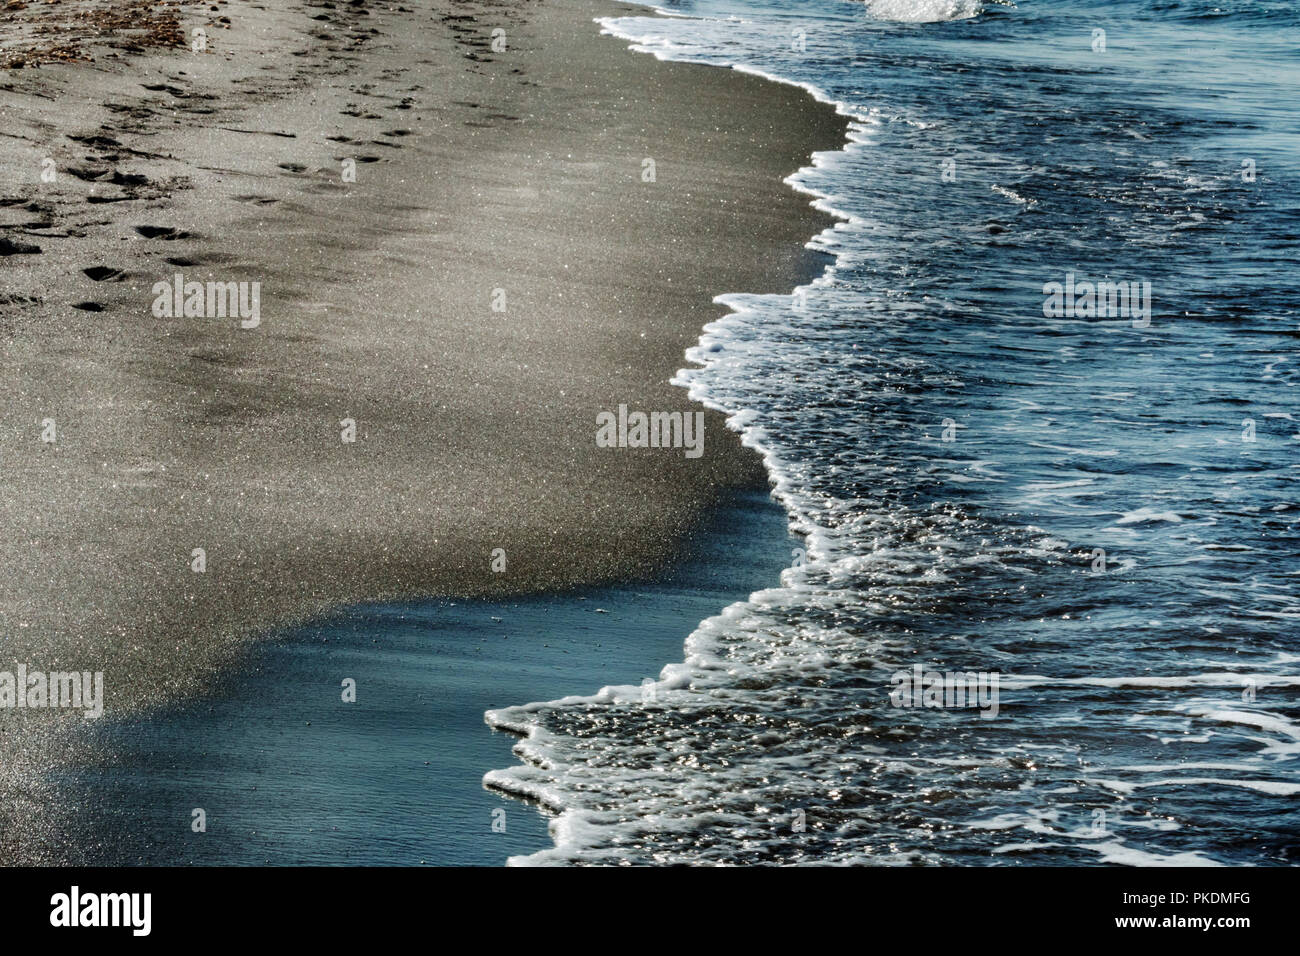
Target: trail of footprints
[101, 165]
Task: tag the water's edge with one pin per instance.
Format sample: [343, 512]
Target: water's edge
[289, 773]
[521, 782]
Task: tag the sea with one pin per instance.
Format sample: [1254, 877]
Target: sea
[1037, 428]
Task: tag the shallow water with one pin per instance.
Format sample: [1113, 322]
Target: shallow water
[1100, 510]
[288, 773]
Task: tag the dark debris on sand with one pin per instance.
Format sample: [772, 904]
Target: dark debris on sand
[55, 31]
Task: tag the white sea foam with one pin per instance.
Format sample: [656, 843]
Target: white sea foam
[1272, 787]
[923, 11]
[1125, 855]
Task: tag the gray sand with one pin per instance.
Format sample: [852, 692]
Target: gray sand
[475, 171]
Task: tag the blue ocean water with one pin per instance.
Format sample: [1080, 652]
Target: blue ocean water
[1100, 509]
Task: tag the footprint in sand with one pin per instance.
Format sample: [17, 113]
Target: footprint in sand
[103, 273]
[164, 88]
[8, 247]
[163, 232]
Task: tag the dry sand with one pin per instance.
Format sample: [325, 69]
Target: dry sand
[476, 171]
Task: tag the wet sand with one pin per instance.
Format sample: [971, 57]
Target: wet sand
[483, 178]
[289, 774]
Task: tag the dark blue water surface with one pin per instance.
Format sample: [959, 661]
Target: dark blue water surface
[1102, 510]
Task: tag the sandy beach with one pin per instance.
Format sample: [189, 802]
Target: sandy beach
[461, 260]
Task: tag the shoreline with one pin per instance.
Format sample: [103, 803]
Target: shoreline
[288, 774]
[476, 425]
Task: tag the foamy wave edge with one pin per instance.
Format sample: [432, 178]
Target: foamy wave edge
[576, 831]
